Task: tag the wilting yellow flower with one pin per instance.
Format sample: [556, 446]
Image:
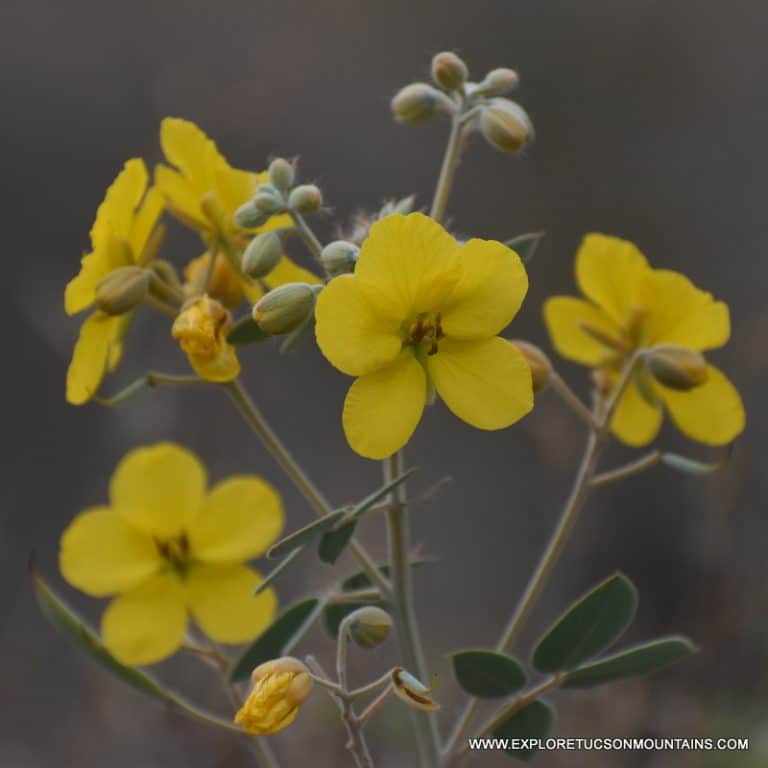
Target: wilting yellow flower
[204, 191]
[201, 328]
[124, 234]
[279, 688]
[631, 306]
[168, 549]
[422, 313]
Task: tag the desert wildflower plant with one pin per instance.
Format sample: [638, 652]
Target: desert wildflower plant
[413, 310]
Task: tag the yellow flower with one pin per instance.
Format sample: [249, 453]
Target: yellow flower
[631, 306]
[422, 313]
[204, 191]
[202, 327]
[279, 688]
[124, 234]
[166, 549]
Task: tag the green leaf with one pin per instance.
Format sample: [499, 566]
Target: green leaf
[525, 245]
[487, 674]
[533, 721]
[276, 571]
[246, 331]
[306, 535]
[371, 499]
[333, 543]
[632, 662]
[588, 627]
[690, 466]
[279, 638]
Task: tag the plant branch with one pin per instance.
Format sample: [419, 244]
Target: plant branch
[448, 168]
[648, 461]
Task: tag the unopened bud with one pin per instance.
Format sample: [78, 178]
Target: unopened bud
[262, 254]
[306, 198]
[418, 102]
[339, 257]
[498, 82]
[281, 174]
[247, 217]
[676, 367]
[541, 368]
[284, 308]
[412, 691]
[122, 290]
[506, 125]
[369, 626]
[268, 200]
[449, 71]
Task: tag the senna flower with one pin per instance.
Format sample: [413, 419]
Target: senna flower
[165, 549]
[629, 306]
[201, 328]
[124, 234]
[280, 686]
[203, 191]
[420, 314]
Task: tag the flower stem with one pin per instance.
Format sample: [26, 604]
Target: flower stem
[307, 235]
[403, 607]
[448, 169]
[309, 490]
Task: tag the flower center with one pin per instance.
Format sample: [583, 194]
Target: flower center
[176, 553]
[424, 332]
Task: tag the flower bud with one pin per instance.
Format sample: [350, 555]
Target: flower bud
[224, 284]
[268, 200]
[306, 198]
[676, 367]
[284, 308]
[122, 289]
[418, 102]
[262, 254]
[412, 691]
[498, 82]
[247, 217]
[339, 257]
[281, 174]
[538, 362]
[201, 328]
[506, 125]
[279, 688]
[166, 273]
[449, 71]
[369, 626]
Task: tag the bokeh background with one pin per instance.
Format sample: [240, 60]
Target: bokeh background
[651, 120]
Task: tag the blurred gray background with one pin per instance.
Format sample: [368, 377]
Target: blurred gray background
[651, 121]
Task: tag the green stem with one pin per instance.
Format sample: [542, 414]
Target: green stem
[648, 461]
[307, 235]
[309, 490]
[448, 168]
[403, 607]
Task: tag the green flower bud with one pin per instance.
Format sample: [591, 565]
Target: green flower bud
[166, 273]
[538, 362]
[306, 198]
[369, 626]
[122, 290]
[247, 217]
[268, 200]
[449, 71]
[506, 125]
[281, 174]
[676, 367]
[262, 254]
[284, 308]
[339, 257]
[418, 102]
[498, 82]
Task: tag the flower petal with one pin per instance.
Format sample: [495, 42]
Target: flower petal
[407, 265]
[234, 186]
[147, 624]
[158, 489]
[92, 355]
[712, 413]
[145, 222]
[485, 383]
[489, 293]
[636, 422]
[221, 600]
[382, 408]
[565, 318]
[608, 271]
[354, 337]
[288, 271]
[102, 555]
[240, 518]
[115, 214]
[182, 198]
[680, 313]
[189, 148]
